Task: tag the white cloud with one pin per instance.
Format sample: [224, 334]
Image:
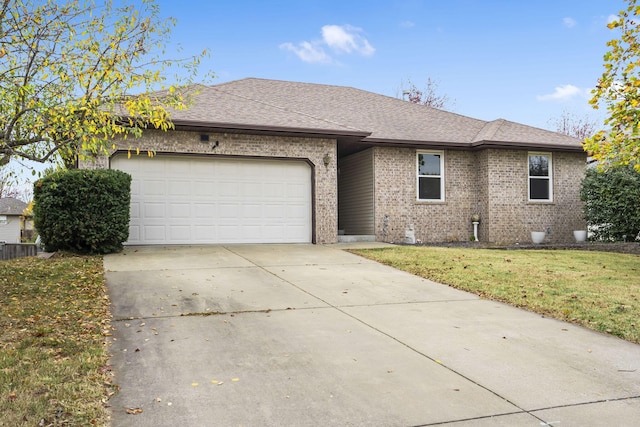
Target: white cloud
[563, 93]
[308, 52]
[612, 18]
[341, 39]
[346, 39]
[569, 22]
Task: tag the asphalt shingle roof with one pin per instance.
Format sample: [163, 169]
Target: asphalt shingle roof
[259, 104]
[11, 206]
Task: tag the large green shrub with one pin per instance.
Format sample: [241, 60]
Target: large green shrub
[85, 211]
[612, 203]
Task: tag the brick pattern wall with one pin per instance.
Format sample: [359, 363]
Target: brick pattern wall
[397, 204]
[312, 149]
[492, 183]
[482, 194]
[512, 217]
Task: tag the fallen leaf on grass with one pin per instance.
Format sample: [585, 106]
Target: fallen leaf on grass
[105, 369]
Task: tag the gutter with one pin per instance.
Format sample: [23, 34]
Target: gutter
[269, 130]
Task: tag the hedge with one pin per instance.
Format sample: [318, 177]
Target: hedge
[612, 203]
[84, 211]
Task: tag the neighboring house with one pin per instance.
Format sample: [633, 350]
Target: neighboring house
[10, 216]
[264, 161]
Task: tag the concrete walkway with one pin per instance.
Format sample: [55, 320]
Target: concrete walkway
[304, 335]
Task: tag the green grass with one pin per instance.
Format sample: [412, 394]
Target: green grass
[54, 320]
[599, 290]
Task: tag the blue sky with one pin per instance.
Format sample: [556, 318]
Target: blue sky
[526, 61]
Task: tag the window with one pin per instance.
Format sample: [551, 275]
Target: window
[3, 220]
[431, 175]
[540, 177]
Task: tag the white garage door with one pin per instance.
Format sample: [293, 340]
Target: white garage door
[199, 200]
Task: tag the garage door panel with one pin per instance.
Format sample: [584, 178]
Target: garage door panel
[180, 233]
[179, 188]
[154, 168]
[178, 168]
[297, 191]
[228, 188]
[182, 200]
[274, 232]
[251, 211]
[204, 189]
[153, 210]
[153, 188]
[205, 210]
[180, 210]
[228, 211]
[134, 232]
[252, 190]
[134, 210]
[154, 233]
[229, 232]
[295, 211]
[135, 188]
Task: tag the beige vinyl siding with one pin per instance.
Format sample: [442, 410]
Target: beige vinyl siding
[356, 194]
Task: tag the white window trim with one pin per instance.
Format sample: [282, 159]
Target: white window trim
[549, 178]
[441, 176]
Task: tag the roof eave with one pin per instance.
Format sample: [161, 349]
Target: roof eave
[528, 146]
[268, 130]
[440, 145]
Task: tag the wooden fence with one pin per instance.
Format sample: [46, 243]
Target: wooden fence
[17, 250]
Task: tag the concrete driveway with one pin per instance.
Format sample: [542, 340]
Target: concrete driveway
[304, 335]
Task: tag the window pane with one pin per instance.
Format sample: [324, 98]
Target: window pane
[538, 166]
[428, 164]
[539, 189]
[429, 189]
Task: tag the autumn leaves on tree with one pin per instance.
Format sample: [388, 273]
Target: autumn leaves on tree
[74, 74]
[619, 90]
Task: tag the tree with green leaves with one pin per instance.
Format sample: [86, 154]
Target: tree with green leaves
[619, 89]
[74, 74]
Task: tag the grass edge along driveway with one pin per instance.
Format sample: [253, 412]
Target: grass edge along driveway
[54, 322]
[598, 290]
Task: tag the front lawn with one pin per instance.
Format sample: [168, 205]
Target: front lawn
[599, 290]
[53, 360]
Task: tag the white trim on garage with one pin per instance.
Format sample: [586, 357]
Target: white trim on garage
[210, 200]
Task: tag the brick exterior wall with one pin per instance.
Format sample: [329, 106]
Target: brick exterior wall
[492, 183]
[325, 198]
[512, 218]
[396, 197]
